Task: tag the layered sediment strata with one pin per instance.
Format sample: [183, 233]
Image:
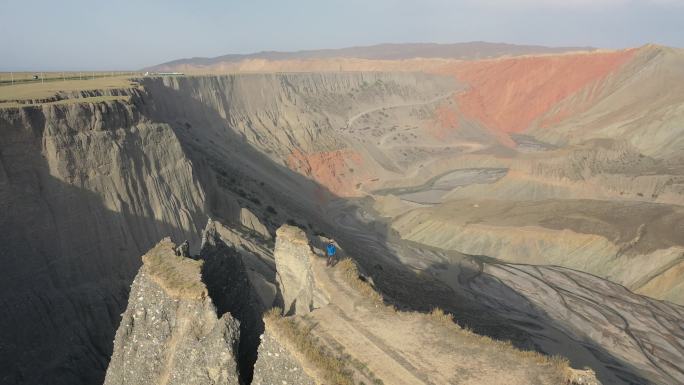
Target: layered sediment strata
[85, 189]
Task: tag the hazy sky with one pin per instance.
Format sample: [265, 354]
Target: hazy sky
[123, 34]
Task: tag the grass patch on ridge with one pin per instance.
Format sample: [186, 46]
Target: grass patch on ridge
[557, 364]
[332, 367]
[178, 276]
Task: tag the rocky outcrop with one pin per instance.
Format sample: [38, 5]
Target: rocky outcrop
[256, 257]
[85, 189]
[170, 332]
[277, 365]
[294, 258]
[250, 221]
[230, 287]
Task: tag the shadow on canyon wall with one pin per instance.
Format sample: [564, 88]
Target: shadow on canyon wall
[373, 245]
[68, 261]
[225, 275]
[62, 292]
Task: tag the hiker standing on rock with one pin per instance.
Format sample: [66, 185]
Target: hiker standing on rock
[331, 250]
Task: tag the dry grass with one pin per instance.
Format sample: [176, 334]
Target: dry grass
[95, 99]
[48, 89]
[442, 317]
[178, 276]
[27, 77]
[332, 367]
[557, 364]
[350, 272]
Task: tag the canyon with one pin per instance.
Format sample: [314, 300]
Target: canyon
[531, 197]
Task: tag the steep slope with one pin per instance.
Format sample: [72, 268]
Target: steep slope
[88, 187]
[528, 305]
[170, 332]
[628, 243]
[225, 274]
[299, 123]
[640, 104]
[277, 362]
[637, 339]
[509, 94]
[84, 188]
[416, 349]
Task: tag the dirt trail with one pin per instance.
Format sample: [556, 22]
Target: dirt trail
[350, 333]
[407, 348]
[495, 298]
[351, 120]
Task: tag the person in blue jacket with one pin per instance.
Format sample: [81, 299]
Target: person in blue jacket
[331, 250]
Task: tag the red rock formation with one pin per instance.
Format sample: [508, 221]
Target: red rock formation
[339, 171]
[509, 94]
[446, 121]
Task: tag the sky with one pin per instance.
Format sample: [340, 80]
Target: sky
[128, 35]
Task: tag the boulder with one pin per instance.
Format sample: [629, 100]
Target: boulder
[294, 274]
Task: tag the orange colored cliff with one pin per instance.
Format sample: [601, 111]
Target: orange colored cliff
[445, 121]
[338, 171]
[509, 94]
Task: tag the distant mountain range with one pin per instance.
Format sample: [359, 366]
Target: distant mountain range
[465, 51]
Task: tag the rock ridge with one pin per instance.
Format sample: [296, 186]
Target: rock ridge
[170, 332]
[294, 259]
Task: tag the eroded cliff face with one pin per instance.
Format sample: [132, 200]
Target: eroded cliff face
[294, 259]
[170, 332]
[84, 188]
[226, 273]
[640, 104]
[88, 187]
[294, 120]
[277, 364]
[199, 321]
